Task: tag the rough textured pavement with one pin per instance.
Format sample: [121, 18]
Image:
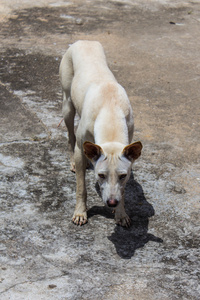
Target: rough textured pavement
[153, 48]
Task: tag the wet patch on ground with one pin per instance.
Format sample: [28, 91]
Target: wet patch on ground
[37, 72]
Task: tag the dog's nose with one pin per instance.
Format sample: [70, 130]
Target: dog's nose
[112, 202]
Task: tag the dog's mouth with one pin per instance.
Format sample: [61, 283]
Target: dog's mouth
[112, 202]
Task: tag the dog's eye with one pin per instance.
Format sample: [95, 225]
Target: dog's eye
[122, 176]
[102, 176]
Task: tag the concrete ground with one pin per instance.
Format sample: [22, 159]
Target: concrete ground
[153, 48]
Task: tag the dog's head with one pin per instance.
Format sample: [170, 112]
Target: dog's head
[112, 164]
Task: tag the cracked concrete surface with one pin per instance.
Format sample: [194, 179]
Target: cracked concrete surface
[153, 49]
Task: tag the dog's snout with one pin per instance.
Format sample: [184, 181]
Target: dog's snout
[112, 202]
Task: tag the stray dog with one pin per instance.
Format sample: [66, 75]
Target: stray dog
[105, 129]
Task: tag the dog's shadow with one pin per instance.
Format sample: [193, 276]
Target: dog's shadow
[127, 240]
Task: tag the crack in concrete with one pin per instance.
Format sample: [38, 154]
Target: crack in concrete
[32, 281]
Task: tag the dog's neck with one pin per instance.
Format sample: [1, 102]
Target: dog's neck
[110, 127]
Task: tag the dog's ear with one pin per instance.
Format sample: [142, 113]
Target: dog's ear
[92, 151]
[132, 151]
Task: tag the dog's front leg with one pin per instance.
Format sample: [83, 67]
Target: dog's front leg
[80, 213]
[121, 218]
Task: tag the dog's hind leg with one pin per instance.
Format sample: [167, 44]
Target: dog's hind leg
[69, 114]
[66, 75]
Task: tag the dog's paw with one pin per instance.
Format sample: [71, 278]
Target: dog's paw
[72, 167]
[124, 220]
[79, 219]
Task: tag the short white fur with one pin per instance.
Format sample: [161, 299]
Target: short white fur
[105, 130]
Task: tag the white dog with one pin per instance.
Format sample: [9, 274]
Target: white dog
[105, 129]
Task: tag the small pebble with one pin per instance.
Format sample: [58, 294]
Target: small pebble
[79, 21]
[52, 286]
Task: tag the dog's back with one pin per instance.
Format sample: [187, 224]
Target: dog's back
[87, 55]
[84, 64]
[90, 88]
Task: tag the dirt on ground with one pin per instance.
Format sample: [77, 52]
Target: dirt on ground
[153, 49]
